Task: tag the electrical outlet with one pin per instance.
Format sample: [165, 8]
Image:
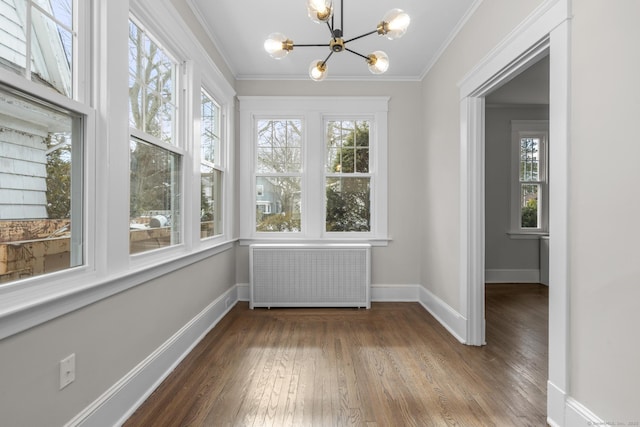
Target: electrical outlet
[67, 370]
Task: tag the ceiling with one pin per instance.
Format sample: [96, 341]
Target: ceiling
[238, 28]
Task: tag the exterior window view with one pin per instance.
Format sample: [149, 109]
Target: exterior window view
[155, 164]
[347, 178]
[278, 175]
[40, 145]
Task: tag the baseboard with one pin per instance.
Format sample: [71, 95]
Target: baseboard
[379, 293]
[243, 291]
[117, 404]
[565, 411]
[512, 276]
[453, 321]
[556, 398]
[577, 415]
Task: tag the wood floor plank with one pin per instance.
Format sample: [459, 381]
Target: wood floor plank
[391, 365]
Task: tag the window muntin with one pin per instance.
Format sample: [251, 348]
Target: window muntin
[211, 173]
[278, 171]
[38, 42]
[41, 181]
[347, 178]
[152, 87]
[155, 164]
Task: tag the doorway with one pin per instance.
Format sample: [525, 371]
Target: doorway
[545, 33]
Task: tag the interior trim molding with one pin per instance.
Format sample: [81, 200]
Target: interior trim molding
[121, 400]
[452, 321]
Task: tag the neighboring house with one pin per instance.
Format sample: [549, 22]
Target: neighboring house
[23, 138]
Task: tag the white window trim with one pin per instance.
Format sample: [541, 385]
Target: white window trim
[314, 111]
[523, 129]
[108, 267]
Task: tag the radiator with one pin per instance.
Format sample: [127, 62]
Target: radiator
[303, 275]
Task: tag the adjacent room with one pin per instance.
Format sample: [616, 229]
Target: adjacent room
[318, 212]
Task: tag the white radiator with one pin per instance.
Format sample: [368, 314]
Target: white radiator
[303, 275]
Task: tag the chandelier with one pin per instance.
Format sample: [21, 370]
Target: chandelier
[393, 25]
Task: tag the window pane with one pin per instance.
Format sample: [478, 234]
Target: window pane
[210, 201]
[529, 159]
[155, 197]
[40, 188]
[279, 146]
[347, 146]
[151, 86]
[348, 204]
[51, 59]
[529, 206]
[210, 129]
[278, 204]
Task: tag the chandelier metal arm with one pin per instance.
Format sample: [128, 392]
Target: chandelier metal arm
[311, 45]
[355, 53]
[361, 36]
[327, 58]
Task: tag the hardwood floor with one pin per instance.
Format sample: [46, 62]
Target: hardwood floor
[392, 365]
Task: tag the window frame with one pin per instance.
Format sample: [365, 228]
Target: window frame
[315, 112]
[102, 99]
[529, 129]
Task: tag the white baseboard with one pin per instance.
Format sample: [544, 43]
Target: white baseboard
[453, 321]
[555, 405]
[565, 411]
[577, 415]
[134, 388]
[243, 291]
[512, 276]
[379, 293]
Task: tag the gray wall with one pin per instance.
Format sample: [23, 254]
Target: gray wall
[501, 251]
[440, 192]
[109, 338]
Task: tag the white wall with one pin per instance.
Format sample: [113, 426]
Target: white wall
[514, 257]
[398, 263]
[604, 208]
[440, 194]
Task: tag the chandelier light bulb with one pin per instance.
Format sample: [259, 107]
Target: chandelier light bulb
[318, 70]
[394, 24]
[320, 11]
[378, 62]
[277, 45]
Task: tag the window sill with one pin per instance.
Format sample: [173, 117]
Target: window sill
[333, 241]
[527, 235]
[33, 302]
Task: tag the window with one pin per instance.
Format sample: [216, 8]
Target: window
[40, 187]
[529, 193]
[155, 160]
[347, 177]
[314, 168]
[278, 174]
[210, 167]
[38, 42]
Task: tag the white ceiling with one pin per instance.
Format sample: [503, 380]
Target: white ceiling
[239, 27]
